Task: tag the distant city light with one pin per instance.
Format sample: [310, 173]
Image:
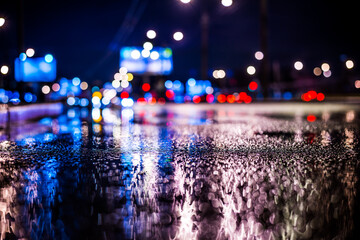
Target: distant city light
[168, 84]
[253, 86]
[4, 69]
[70, 101]
[145, 53]
[221, 73]
[28, 97]
[22, 56]
[320, 97]
[115, 83]
[325, 67]
[349, 64]
[135, 54]
[251, 70]
[317, 71]
[215, 74]
[185, 1]
[196, 99]
[148, 46]
[95, 100]
[357, 84]
[84, 86]
[55, 87]
[178, 36]
[124, 84]
[84, 102]
[226, 3]
[311, 118]
[76, 81]
[146, 87]
[209, 90]
[298, 65]
[45, 89]
[48, 58]
[123, 70]
[2, 22]
[130, 76]
[154, 55]
[191, 82]
[127, 102]
[151, 34]
[259, 55]
[117, 76]
[210, 98]
[327, 73]
[30, 52]
[124, 95]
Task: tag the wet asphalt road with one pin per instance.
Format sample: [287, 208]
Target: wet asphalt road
[261, 171]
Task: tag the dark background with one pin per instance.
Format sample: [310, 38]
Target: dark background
[85, 36]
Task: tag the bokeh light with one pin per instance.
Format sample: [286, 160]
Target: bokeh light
[30, 52]
[311, 118]
[2, 21]
[298, 65]
[221, 73]
[148, 46]
[178, 36]
[4, 69]
[349, 64]
[357, 84]
[151, 34]
[226, 3]
[135, 54]
[327, 74]
[320, 97]
[76, 81]
[55, 87]
[146, 87]
[317, 71]
[45, 89]
[259, 55]
[251, 70]
[84, 86]
[325, 67]
[48, 58]
[253, 86]
[154, 55]
[123, 70]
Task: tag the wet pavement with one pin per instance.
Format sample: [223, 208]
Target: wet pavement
[264, 171]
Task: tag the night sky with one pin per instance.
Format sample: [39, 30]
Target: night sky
[85, 36]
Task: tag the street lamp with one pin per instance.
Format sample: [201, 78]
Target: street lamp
[2, 21]
[226, 3]
[178, 36]
[4, 69]
[204, 23]
[151, 34]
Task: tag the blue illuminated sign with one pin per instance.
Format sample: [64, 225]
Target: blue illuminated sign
[157, 61]
[35, 69]
[197, 87]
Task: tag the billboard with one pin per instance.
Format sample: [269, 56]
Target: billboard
[42, 69]
[157, 61]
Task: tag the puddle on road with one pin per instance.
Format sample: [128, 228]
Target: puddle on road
[212, 175]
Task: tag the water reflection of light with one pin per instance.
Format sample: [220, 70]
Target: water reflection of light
[325, 116]
[97, 128]
[350, 116]
[127, 115]
[349, 141]
[325, 138]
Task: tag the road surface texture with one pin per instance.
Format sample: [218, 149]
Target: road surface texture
[257, 171]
